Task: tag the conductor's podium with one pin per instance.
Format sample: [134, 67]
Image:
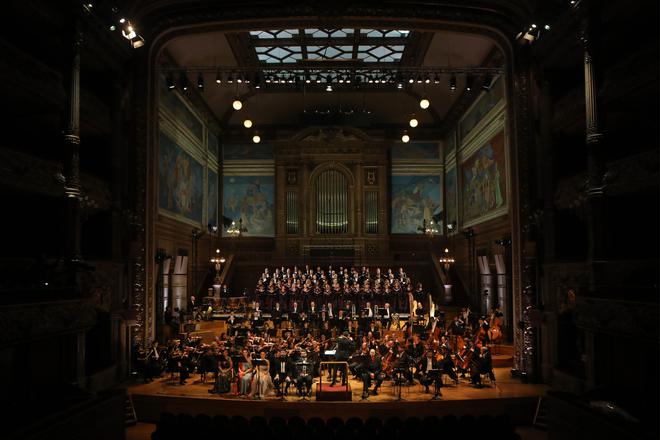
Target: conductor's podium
[326, 392]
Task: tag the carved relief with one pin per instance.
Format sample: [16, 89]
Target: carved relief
[331, 134]
[371, 177]
[292, 177]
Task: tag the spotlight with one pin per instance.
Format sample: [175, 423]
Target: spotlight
[247, 123]
[468, 83]
[487, 82]
[256, 138]
[405, 138]
[218, 77]
[200, 82]
[257, 82]
[413, 121]
[533, 26]
[427, 80]
[452, 83]
[230, 78]
[122, 20]
[183, 81]
[436, 79]
[113, 27]
[424, 103]
[239, 78]
[546, 27]
[137, 42]
[170, 82]
[128, 32]
[237, 104]
[411, 80]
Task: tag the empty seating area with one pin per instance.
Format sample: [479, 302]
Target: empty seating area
[201, 427]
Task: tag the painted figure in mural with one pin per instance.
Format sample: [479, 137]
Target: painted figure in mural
[183, 189]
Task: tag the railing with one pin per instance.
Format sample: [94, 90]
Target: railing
[323, 363]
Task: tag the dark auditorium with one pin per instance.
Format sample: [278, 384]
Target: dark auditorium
[330, 220]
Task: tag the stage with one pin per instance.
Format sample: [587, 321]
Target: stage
[505, 396]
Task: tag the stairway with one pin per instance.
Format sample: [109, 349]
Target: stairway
[540, 416]
[129, 411]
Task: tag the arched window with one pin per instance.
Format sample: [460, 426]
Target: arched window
[331, 202]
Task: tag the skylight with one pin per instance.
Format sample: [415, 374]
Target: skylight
[290, 46]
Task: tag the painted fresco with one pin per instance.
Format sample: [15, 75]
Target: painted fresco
[450, 145]
[172, 102]
[487, 101]
[414, 198]
[247, 152]
[251, 198]
[214, 146]
[451, 193]
[416, 151]
[484, 180]
[212, 192]
[181, 181]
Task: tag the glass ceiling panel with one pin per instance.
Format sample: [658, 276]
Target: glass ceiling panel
[317, 44]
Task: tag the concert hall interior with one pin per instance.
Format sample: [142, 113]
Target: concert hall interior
[340, 218]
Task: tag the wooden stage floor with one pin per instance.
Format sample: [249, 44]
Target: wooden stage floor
[505, 396]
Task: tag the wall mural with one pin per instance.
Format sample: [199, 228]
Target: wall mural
[247, 152]
[212, 198]
[414, 198]
[179, 111]
[484, 180]
[451, 194]
[251, 198]
[485, 103]
[416, 151]
[214, 146]
[181, 181]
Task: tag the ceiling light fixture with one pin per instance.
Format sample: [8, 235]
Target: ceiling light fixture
[183, 81]
[218, 77]
[256, 138]
[237, 104]
[170, 82]
[424, 103]
[405, 138]
[413, 121]
[247, 123]
[468, 83]
[200, 82]
[452, 83]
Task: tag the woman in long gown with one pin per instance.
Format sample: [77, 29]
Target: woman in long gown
[262, 384]
[224, 375]
[245, 373]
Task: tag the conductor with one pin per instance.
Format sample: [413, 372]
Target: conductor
[344, 350]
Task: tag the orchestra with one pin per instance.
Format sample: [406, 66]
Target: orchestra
[291, 327]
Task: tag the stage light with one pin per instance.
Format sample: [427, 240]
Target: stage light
[129, 32]
[405, 138]
[452, 83]
[256, 138]
[200, 82]
[237, 104]
[183, 81]
[413, 121]
[218, 77]
[487, 82]
[424, 103]
[170, 82]
[247, 123]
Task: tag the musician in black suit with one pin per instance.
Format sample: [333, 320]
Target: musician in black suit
[344, 350]
[429, 372]
[304, 369]
[483, 364]
[372, 371]
[282, 370]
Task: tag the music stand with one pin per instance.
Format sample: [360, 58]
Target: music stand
[257, 363]
[399, 377]
[434, 375]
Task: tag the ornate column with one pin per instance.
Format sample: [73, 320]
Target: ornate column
[595, 184]
[72, 153]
